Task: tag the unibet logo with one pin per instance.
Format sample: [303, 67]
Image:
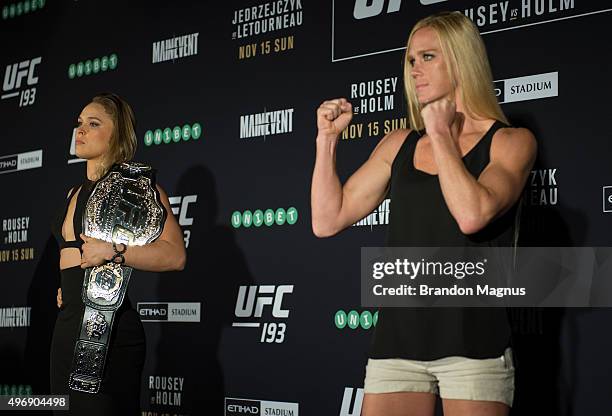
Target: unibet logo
[15, 390]
[93, 66]
[355, 320]
[175, 135]
[268, 217]
[23, 7]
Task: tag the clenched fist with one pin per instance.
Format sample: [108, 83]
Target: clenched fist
[441, 117]
[333, 116]
[95, 252]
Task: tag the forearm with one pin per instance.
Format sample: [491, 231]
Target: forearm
[467, 200]
[326, 192]
[158, 256]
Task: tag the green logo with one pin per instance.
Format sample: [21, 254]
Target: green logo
[15, 390]
[93, 66]
[258, 218]
[292, 215]
[167, 135]
[354, 319]
[196, 131]
[247, 218]
[236, 219]
[113, 61]
[268, 217]
[340, 319]
[148, 139]
[157, 136]
[281, 216]
[21, 8]
[175, 135]
[79, 69]
[186, 132]
[104, 63]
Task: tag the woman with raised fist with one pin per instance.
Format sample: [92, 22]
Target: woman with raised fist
[454, 179]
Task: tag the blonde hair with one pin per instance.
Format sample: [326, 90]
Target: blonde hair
[467, 63]
[123, 139]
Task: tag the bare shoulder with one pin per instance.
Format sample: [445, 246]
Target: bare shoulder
[512, 142]
[390, 144]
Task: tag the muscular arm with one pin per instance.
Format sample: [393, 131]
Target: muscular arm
[335, 207]
[167, 253]
[475, 202]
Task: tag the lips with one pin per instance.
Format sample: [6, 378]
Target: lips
[420, 86]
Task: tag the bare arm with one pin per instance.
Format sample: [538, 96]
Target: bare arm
[164, 254]
[476, 202]
[335, 207]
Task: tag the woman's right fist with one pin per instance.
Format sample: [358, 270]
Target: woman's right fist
[59, 298]
[333, 116]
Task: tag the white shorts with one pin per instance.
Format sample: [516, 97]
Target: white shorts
[490, 379]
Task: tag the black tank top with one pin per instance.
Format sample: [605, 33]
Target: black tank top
[420, 217]
[77, 219]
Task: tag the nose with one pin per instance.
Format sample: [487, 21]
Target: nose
[416, 70]
[80, 131]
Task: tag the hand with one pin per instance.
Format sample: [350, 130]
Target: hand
[95, 252]
[441, 118]
[333, 117]
[59, 297]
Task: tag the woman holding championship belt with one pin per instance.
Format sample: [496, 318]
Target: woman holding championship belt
[454, 179]
[105, 137]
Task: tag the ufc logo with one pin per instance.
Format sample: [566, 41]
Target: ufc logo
[363, 10]
[347, 399]
[181, 212]
[15, 74]
[253, 303]
[129, 211]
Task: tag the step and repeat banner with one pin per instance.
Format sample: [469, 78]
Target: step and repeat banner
[266, 318]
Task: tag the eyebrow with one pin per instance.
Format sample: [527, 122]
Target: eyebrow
[423, 51]
[92, 118]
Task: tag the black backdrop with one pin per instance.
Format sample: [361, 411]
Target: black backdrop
[222, 161]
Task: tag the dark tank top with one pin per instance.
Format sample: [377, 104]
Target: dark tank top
[419, 217]
[77, 220]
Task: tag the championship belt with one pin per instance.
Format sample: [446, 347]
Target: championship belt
[124, 207]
